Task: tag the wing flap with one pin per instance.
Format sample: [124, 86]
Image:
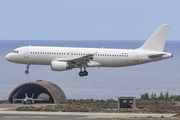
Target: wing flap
[77, 60]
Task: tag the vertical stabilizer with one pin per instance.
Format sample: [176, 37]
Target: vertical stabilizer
[32, 96]
[157, 40]
[26, 94]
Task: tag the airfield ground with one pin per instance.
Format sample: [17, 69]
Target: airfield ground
[8, 111]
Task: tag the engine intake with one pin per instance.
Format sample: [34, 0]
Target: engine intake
[60, 66]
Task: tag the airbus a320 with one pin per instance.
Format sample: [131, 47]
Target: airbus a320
[66, 58]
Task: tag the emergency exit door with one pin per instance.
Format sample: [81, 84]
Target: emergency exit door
[136, 56]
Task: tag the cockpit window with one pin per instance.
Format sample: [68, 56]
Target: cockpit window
[15, 51]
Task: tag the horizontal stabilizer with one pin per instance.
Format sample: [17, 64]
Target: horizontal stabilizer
[152, 56]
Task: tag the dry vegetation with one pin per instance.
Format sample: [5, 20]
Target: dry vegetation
[110, 106]
[81, 105]
[3, 101]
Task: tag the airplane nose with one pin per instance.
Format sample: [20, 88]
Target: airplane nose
[7, 57]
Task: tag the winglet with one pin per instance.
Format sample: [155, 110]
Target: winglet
[157, 40]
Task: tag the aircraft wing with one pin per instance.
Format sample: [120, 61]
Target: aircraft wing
[19, 99]
[78, 60]
[36, 99]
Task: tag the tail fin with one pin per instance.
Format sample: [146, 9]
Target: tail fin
[32, 96]
[157, 40]
[26, 94]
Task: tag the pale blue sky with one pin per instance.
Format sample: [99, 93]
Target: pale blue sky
[87, 19]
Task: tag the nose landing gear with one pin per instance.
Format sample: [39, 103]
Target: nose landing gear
[27, 71]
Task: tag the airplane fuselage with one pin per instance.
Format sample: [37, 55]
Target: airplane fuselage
[102, 57]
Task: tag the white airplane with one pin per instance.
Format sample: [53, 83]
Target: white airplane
[28, 100]
[66, 58]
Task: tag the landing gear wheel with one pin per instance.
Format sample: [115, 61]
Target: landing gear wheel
[81, 74]
[27, 66]
[26, 71]
[85, 73]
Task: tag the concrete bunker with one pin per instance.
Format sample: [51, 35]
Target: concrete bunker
[126, 102]
[48, 91]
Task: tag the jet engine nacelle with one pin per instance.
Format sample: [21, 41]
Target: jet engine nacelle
[60, 66]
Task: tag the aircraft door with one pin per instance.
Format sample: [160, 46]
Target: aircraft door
[136, 56]
[26, 53]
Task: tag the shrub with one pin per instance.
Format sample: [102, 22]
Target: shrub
[27, 108]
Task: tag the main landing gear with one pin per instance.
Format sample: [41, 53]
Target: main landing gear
[83, 73]
[27, 71]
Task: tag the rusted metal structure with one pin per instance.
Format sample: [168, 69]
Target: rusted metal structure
[54, 92]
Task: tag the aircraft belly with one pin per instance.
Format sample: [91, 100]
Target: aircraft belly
[118, 62]
[40, 60]
[113, 62]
